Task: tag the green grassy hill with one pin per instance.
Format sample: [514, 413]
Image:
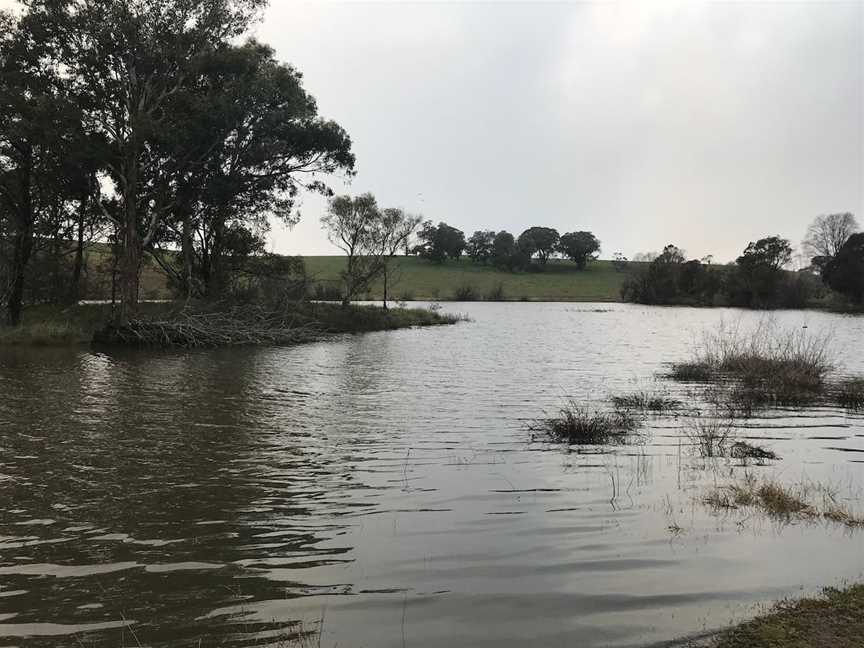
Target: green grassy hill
[416, 279]
[423, 280]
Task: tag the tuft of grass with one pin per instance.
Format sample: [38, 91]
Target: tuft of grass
[833, 620]
[582, 425]
[791, 357]
[646, 401]
[496, 293]
[465, 292]
[47, 333]
[785, 502]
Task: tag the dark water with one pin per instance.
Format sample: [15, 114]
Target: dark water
[386, 483]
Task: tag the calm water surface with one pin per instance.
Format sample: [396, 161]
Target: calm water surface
[387, 484]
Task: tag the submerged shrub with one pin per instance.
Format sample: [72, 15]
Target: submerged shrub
[691, 372]
[646, 401]
[580, 424]
[711, 437]
[850, 393]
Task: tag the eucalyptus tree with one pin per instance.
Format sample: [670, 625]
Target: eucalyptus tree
[243, 141]
[369, 237]
[396, 229]
[826, 235]
[45, 159]
[580, 247]
[542, 241]
[124, 60]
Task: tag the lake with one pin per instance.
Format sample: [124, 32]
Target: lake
[387, 484]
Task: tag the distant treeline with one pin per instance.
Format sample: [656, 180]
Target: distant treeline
[501, 249]
[757, 279]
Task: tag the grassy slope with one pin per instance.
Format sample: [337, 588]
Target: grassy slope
[835, 620]
[420, 279]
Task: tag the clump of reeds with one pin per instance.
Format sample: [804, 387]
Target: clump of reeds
[850, 393]
[647, 401]
[786, 502]
[768, 353]
[711, 436]
[584, 425]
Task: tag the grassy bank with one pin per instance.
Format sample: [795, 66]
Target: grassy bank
[416, 279]
[422, 280]
[172, 324]
[833, 620]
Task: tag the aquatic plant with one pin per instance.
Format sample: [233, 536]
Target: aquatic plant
[712, 436]
[805, 501]
[768, 354]
[584, 425]
[649, 401]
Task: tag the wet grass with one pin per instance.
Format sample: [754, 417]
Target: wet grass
[579, 424]
[785, 502]
[833, 620]
[49, 333]
[646, 401]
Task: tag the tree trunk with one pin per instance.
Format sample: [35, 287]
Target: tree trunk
[188, 254]
[215, 278]
[22, 249]
[349, 282]
[386, 274]
[130, 260]
[22, 245]
[75, 293]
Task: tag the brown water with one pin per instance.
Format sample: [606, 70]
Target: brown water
[387, 484]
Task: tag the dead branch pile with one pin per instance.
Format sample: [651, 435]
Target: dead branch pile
[193, 330]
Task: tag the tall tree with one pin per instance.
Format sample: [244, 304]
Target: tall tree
[542, 241]
[125, 60]
[827, 234]
[479, 246]
[244, 141]
[580, 247]
[369, 236]
[845, 272]
[397, 228]
[42, 155]
[761, 266]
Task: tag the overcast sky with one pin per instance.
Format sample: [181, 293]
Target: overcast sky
[706, 125]
[702, 124]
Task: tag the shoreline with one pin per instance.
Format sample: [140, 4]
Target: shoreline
[832, 619]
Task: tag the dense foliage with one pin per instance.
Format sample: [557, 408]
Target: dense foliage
[153, 125]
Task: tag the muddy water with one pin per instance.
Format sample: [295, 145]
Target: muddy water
[386, 484]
